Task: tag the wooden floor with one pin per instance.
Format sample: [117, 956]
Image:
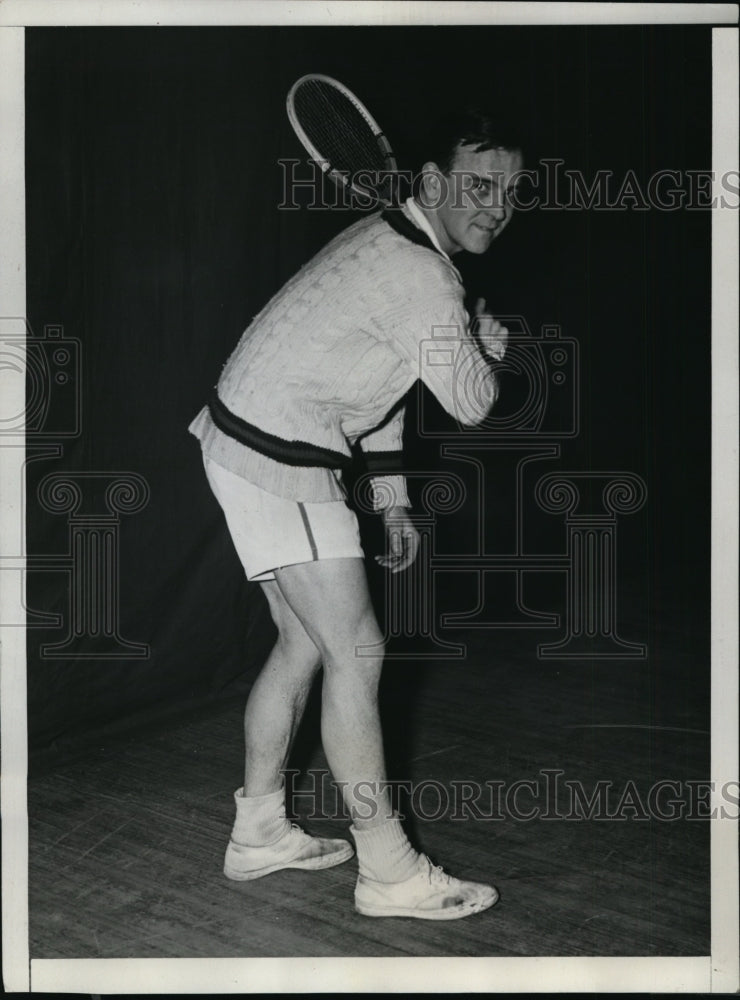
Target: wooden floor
[127, 842]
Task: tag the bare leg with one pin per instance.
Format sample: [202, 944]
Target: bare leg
[262, 839]
[331, 599]
[278, 698]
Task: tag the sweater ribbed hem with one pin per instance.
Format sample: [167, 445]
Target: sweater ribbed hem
[384, 462]
[300, 453]
[304, 485]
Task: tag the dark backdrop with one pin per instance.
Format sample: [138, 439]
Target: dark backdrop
[153, 236]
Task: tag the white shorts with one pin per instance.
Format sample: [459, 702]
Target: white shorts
[270, 532]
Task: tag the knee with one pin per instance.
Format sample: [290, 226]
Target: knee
[296, 647]
[362, 648]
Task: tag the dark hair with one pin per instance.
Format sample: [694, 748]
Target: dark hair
[469, 127]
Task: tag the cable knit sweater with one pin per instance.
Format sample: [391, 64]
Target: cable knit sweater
[324, 364]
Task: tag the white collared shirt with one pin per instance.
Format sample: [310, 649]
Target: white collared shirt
[423, 223]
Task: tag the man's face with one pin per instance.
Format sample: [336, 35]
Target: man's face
[471, 204]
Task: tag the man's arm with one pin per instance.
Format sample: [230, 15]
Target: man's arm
[383, 450]
[383, 454]
[455, 364]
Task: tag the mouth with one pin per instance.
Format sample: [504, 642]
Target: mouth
[489, 230]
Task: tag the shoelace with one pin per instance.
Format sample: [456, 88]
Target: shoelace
[437, 875]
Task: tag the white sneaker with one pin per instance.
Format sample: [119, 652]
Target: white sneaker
[430, 894]
[296, 849]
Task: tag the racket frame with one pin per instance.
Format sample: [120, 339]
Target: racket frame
[338, 176]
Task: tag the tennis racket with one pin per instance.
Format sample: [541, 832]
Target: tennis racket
[342, 136]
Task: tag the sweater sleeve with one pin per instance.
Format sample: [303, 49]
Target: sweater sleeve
[384, 458]
[433, 336]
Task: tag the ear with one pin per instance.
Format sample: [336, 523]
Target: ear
[431, 183]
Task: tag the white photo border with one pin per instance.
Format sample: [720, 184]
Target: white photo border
[716, 973]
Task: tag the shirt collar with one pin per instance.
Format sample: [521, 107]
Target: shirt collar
[423, 223]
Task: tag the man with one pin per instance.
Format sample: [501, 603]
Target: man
[321, 367]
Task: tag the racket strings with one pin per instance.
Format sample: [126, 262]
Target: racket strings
[337, 129]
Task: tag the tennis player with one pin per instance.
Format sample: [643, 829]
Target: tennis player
[324, 365]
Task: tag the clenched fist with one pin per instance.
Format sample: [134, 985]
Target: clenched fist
[492, 335]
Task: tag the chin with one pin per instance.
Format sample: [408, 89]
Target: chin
[478, 244]
[478, 240]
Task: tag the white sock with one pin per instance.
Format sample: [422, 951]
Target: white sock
[384, 853]
[260, 819]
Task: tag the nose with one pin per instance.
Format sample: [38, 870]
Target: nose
[497, 212]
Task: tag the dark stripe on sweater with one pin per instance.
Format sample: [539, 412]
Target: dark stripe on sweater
[403, 225]
[384, 462]
[309, 532]
[299, 453]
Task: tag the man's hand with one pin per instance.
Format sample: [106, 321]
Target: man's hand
[492, 336]
[403, 540]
